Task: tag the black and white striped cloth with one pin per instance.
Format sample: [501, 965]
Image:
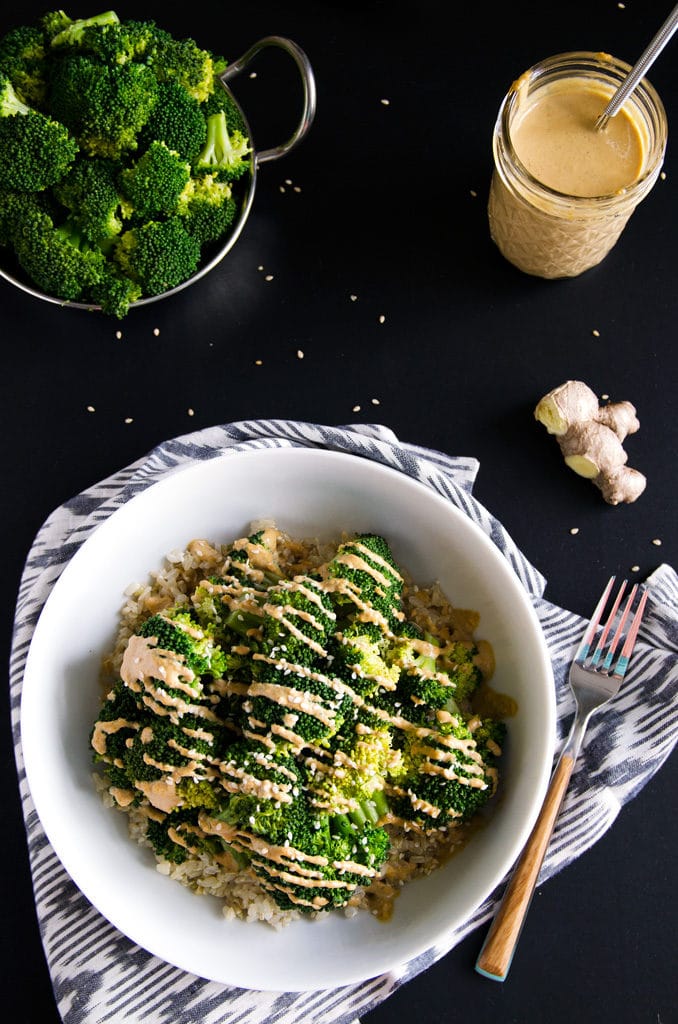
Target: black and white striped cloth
[97, 973]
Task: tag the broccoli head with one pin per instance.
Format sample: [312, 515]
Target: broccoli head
[90, 192]
[207, 208]
[177, 120]
[154, 182]
[58, 259]
[22, 60]
[158, 255]
[105, 106]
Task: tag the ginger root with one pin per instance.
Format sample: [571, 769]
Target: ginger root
[590, 437]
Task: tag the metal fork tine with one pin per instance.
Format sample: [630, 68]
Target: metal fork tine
[593, 624]
[608, 625]
[630, 642]
[620, 629]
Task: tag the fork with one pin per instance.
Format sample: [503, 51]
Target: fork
[595, 677]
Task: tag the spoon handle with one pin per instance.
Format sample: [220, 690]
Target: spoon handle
[647, 58]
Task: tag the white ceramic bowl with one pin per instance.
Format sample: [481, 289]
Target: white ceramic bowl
[308, 492]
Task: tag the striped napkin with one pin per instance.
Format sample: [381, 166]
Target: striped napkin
[97, 973]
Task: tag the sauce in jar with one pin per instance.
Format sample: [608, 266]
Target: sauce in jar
[561, 190]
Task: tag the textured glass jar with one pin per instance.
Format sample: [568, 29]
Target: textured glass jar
[548, 233]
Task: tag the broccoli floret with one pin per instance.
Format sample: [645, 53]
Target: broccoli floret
[35, 150]
[155, 181]
[359, 660]
[158, 834]
[291, 707]
[445, 778]
[105, 106]
[298, 621]
[73, 32]
[226, 153]
[177, 120]
[347, 774]
[222, 100]
[90, 192]
[176, 630]
[158, 255]
[58, 259]
[114, 292]
[183, 61]
[372, 589]
[207, 208]
[22, 59]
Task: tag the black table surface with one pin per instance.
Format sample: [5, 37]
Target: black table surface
[365, 288]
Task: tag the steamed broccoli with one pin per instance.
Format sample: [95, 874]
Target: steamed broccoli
[35, 150]
[153, 183]
[22, 60]
[207, 208]
[90, 192]
[58, 259]
[72, 32]
[371, 581]
[105, 106]
[132, 101]
[226, 153]
[176, 630]
[158, 255]
[177, 120]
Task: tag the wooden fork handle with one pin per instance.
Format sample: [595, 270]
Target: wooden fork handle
[495, 957]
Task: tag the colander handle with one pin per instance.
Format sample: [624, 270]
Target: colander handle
[308, 82]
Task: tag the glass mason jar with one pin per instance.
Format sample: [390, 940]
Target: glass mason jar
[550, 233]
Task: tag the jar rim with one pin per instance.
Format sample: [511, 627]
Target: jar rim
[647, 101]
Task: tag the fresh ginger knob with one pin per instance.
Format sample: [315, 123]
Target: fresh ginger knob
[591, 438]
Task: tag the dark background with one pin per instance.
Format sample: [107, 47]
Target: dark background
[390, 207]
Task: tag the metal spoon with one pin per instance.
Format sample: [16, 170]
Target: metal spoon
[647, 58]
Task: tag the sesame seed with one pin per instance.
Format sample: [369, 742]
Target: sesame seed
[635, 568]
[282, 188]
[118, 334]
[258, 362]
[353, 298]
[382, 318]
[296, 188]
[190, 412]
[375, 401]
[129, 419]
[663, 175]
[300, 354]
[605, 397]
[657, 542]
[90, 408]
[156, 331]
[574, 530]
[269, 277]
[385, 102]
[260, 267]
[474, 193]
[253, 74]
[356, 408]
[595, 332]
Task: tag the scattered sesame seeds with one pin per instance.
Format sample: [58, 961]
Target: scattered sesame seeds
[118, 334]
[604, 397]
[474, 193]
[635, 568]
[156, 331]
[353, 298]
[191, 412]
[385, 102]
[356, 408]
[574, 531]
[260, 267]
[662, 175]
[253, 74]
[90, 408]
[258, 362]
[657, 542]
[595, 332]
[269, 277]
[300, 354]
[375, 401]
[382, 318]
[128, 419]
